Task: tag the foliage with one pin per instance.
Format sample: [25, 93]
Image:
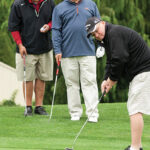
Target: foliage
[7, 102]
[131, 13]
[11, 101]
[7, 54]
[13, 96]
[7, 51]
[5, 10]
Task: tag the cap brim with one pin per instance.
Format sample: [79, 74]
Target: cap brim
[91, 31]
[88, 35]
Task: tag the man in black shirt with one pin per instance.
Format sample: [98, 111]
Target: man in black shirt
[126, 53]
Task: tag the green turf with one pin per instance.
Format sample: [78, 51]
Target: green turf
[112, 132]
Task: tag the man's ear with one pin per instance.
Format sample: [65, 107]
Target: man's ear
[103, 22]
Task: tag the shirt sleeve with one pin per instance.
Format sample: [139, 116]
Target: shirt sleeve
[50, 22]
[50, 25]
[56, 31]
[14, 23]
[119, 56]
[16, 36]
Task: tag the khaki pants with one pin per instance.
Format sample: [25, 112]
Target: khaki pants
[76, 70]
[37, 67]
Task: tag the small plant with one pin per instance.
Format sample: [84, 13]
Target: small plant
[8, 102]
[13, 96]
[11, 101]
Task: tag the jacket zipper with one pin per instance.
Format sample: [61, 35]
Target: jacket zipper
[37, 13]
[77, 8]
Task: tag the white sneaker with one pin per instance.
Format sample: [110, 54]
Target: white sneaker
[93, 119]
[75, 118]
[131, 148]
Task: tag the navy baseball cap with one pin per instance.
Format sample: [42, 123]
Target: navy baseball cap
[91, 25]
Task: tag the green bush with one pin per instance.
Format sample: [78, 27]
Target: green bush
[11, 101]
[8, 102]
[7, 54]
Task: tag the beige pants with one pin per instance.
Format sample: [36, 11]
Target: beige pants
[139, 94]
[76, 70]
[37, 67]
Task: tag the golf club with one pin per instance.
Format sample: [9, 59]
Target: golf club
[85, 123]
[24, 63]
[57, 71]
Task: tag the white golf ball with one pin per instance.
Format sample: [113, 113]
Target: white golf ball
[42, 29]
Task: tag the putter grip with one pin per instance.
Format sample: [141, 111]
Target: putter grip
[24, 60]
[57, 71]
[103, 93]
[102, 96]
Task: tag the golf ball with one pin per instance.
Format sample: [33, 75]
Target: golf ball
[42, 29]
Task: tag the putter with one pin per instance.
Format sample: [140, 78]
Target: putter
[85, 122]
[57, 71]
[24, 63]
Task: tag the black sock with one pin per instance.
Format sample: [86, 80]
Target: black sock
[29, 106]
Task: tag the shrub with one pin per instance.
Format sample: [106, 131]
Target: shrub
[11, 101]
[8, 102]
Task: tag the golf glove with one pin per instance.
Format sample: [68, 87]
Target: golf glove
[100, 51]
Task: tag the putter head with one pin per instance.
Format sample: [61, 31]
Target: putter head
[68, 149]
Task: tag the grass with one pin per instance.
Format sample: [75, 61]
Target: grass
[112, 132]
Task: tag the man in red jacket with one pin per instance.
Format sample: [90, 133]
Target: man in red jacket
[30, 25]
